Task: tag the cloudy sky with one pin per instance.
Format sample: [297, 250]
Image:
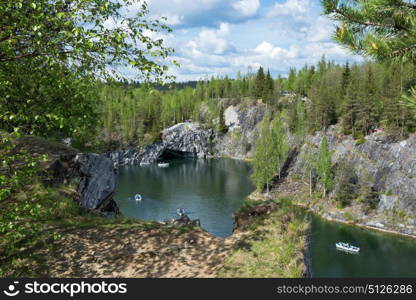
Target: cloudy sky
[222, 37]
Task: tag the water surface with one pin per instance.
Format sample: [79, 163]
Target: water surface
[381, 254]
[210, 190]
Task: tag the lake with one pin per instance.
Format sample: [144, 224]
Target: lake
[211, 190]
[381, 254]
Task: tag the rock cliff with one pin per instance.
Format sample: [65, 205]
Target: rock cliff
[242, 122]
[180, 140]
[94, 177]
[389, 167]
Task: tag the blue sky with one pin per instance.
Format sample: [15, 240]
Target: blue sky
[222, 37]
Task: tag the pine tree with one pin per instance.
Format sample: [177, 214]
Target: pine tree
[291, 80]
[367, 116]
[346, 75]
[268, 88]
[259, 85]
[221, 128]
[381, 29]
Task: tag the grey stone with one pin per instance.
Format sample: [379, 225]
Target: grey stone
[390, 164]
[97, 182]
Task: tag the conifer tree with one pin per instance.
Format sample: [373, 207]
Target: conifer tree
[268, 88]
[259, 85]
[346, 76]
[383, 29]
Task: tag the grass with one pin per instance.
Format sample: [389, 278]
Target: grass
[274, 248]
[60, 215]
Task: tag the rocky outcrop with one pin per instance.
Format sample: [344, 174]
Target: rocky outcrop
[388, 166]
[94, 176]
[97, 183]
[183, 220]
[246, 215]
[242, 122]
[183, 140]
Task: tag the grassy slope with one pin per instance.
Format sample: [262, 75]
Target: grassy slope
[274, 248]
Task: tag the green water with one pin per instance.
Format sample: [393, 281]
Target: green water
[381, 255]
[210, 190]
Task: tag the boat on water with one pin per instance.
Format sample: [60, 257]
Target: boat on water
[142, 164]
[163, 165]
[138, 197]
[347, 247]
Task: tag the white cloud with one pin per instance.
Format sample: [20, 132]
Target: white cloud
[290, 8]
[320, 30]
[217, 37]
[204, 13]
[247, 7]
[211, 41]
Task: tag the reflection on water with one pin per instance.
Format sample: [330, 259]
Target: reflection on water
[210, 190]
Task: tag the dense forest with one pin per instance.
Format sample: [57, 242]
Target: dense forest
[361, 97]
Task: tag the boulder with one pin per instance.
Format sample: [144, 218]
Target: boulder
[94, 175]
[97, 182]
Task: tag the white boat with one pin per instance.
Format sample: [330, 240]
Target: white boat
[163, 165]
[138, 197]
[347, 247]
[144, 164]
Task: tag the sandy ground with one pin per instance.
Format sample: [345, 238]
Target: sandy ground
[135, 252]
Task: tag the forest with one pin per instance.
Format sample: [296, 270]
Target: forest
[361, 97]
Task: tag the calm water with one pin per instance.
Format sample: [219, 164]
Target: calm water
[381, 255]
[210, 190]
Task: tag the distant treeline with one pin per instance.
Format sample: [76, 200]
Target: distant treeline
[362, 97]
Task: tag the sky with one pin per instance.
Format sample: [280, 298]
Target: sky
[223, 37]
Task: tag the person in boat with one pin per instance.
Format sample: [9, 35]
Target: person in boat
[181, 212]
[138, 197]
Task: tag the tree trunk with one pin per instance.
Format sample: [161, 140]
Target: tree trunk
[310, 185]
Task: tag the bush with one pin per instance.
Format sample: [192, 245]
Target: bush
[360, 139]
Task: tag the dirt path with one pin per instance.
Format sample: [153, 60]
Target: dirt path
[135, 252]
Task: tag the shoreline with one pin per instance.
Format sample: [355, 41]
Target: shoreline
[337, 220]
[361, 225]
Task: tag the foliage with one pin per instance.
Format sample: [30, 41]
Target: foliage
[383, 29]
[86, 36]
[279, 142]
[346, 186]
[264, 161]
[46, 100]
[25, 204]
[52, 55]
[270, 152]
[273, 249]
